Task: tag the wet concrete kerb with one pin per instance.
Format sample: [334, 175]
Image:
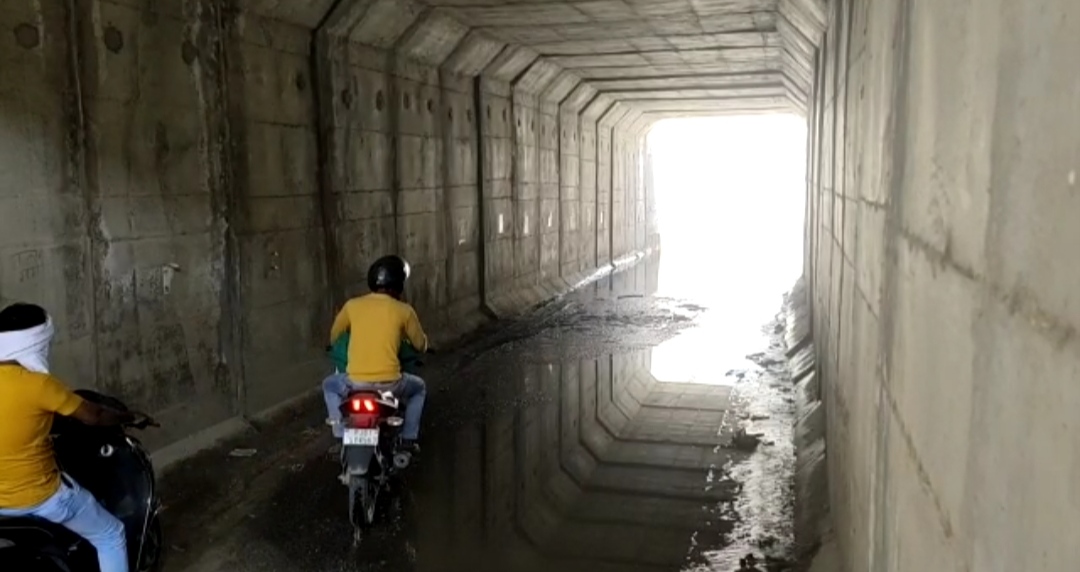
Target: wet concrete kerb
[522, 298]
[812, 521]
[779, 420]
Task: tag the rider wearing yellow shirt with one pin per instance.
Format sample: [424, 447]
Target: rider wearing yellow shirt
[31, 484]
[377, 323]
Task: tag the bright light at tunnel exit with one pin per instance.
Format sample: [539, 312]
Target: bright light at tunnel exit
[730, 195]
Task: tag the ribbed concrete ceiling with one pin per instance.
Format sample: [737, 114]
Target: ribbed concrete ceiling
[658, 57]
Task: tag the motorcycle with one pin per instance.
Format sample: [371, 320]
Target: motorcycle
[372, 460]
[116, 469]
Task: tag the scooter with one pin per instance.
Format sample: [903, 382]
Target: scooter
[113, 466]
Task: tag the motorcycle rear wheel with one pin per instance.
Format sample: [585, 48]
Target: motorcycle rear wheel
[363, 500]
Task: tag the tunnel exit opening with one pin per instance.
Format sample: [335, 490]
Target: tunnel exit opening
[730, 196]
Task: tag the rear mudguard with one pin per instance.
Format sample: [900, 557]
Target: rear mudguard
[357, 459]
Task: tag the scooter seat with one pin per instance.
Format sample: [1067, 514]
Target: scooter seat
[30, 542]
[29, 530]
[33, 525]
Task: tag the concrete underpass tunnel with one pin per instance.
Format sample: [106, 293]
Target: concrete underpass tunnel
[191, 186]
[199, 183]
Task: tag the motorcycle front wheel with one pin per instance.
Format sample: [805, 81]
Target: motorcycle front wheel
[152, 558]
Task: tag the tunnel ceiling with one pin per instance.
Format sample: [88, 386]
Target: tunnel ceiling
[660, 57]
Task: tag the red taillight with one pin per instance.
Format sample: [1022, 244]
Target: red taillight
[367, 405]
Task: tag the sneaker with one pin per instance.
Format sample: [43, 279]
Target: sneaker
[409, 446]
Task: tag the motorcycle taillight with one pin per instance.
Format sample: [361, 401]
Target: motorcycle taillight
[363, 405]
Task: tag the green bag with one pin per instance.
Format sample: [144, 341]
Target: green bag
[407, 355]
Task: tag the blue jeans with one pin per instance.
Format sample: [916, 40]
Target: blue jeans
[409, 388]
[76, 509]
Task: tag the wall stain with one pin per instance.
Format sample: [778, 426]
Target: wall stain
[188, 52]
[113, 39]
[161, 147]
[27, 36]
[149, 14]
[77, 282]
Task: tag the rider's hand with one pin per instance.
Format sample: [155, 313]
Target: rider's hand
[142, 421]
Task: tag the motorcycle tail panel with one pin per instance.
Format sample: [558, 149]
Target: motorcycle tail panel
[357, 460]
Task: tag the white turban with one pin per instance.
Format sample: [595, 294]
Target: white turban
[30, 348]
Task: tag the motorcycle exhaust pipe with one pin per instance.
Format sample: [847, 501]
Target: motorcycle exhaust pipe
[402, 460]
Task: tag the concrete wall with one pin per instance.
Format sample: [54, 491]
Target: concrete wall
[192, 186]
[943, 208]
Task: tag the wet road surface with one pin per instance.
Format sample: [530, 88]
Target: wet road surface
[548, 444]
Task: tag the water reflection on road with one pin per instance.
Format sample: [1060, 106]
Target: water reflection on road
[552, 445]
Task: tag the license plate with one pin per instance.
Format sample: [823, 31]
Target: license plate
[367, 437]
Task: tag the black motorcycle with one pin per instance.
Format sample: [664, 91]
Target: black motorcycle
[113, 466]
[371, 460]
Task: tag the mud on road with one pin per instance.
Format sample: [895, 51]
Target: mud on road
[548, 444]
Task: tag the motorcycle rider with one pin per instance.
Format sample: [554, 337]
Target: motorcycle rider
[31, 484]
[378, 322]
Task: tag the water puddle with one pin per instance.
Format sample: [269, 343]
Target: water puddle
[610, 444]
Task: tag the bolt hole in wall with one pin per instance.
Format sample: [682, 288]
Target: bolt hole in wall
[730, 193]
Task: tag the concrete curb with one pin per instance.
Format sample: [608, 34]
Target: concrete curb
[525, 296]
[187, 447]
[463, 317]
[812, 520]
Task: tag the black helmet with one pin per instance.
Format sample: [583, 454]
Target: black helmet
[388, 273]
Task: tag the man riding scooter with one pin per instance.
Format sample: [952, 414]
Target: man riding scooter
[378, 323]
[31, 483]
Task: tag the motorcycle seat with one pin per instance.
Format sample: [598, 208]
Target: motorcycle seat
[377, 393]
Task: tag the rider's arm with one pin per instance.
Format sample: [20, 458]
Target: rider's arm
[56, 397]
[341, 324]
[414, 332]
[95, 414]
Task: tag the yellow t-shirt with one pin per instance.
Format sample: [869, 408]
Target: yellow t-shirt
[377, 323]
[28, 400]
